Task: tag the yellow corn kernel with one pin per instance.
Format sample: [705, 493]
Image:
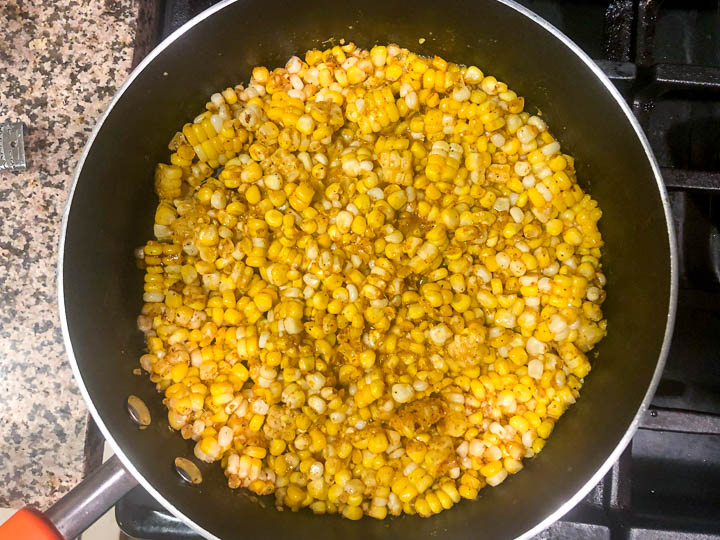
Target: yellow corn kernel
[277, 447]
[491, 469]
[545, 428]
[256, 422]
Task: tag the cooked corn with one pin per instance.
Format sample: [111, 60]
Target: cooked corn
[386, 298]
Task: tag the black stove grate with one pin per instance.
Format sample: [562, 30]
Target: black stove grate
[665, 59]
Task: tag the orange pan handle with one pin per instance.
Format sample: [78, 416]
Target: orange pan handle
[76, 511]
[29, 524]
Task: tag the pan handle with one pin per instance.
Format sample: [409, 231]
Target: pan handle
[76, 511]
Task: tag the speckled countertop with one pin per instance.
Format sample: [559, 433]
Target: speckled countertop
[60, 63]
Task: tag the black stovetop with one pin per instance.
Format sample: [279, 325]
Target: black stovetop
[664, 56]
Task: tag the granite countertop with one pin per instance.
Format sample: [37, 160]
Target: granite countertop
[60, 64]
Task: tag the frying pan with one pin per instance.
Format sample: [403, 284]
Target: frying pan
[111, 208]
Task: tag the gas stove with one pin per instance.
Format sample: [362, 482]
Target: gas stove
[664, 56]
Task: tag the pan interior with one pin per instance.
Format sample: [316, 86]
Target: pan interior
[112, 212]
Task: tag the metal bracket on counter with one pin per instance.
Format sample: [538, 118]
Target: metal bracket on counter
[12, 147]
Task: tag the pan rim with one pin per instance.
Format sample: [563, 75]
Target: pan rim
[670, 323]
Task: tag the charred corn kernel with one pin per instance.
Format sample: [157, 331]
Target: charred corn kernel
[395, 269]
